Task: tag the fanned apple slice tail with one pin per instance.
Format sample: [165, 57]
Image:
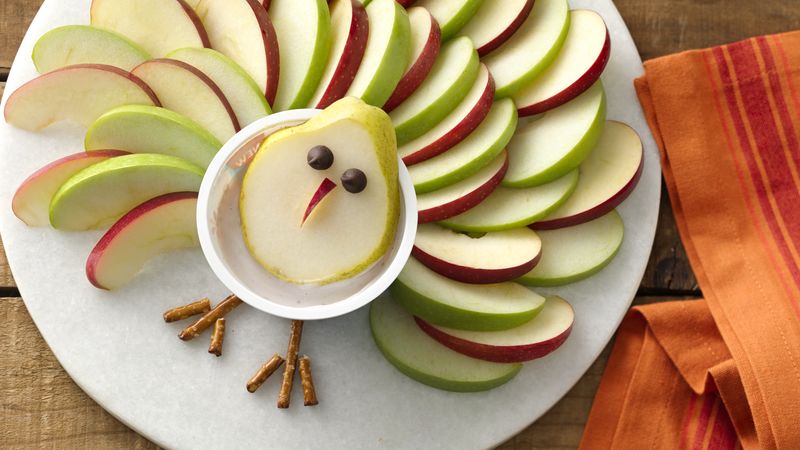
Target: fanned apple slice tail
[156, 226]
[84, 44]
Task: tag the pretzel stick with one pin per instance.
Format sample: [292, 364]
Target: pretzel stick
[186, 311]
[291, 363]
[309, 394]
[203, 323]
[215, 348]
[264, 372]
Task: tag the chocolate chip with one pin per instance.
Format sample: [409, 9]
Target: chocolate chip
[320, 157]
[354, 180]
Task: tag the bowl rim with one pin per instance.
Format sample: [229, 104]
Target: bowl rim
[317, 312]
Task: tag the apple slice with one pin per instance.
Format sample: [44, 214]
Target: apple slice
[404, 3]
[242, 31]
[159, 26]
[579, 64]
[508, 208]
[577, 252]
[31, 202]
[467, 116]
[450, 303]
[532, 47]
[150, 129]
[535, 339]
[188, 91]
[608, 176]
[98, 195]
[83, 44]
[549, 146]
[423, 359]
[304, 32]
[457, 198]
[495, 22]
[156, 226]
[452, 76]
[244, 95]
[349, 35]
[451, 15]
[469, 155]
[386, 56]
[79, 93]
[488, 258]
[426, 39]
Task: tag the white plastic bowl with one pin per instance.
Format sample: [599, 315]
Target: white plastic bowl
[219, 229]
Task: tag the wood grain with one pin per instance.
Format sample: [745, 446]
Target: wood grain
[15, 17]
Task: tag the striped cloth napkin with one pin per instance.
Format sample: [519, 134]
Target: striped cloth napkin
[723, 372]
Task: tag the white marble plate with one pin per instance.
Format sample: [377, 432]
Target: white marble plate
[117, 348]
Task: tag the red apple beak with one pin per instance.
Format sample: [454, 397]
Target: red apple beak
[324, 189]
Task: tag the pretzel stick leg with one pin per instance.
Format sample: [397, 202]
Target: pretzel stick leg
[309, 393]
[215, 348]
[183, 312]
[291, 363]
[205, 322]
[264, 372]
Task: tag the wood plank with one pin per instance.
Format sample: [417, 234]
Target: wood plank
[661, 27]
[15, 17]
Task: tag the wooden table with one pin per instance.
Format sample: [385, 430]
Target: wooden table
[40, 406]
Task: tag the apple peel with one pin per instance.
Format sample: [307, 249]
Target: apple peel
[324, 189]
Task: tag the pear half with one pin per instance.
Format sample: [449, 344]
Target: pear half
[297, 224]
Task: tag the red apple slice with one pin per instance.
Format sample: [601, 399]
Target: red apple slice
[535, 339]
[456, 126]
[406, 3]
[243, 31]
[426, 39]
[80, 93]
[578, 65]
[495, 22]
[324, 189]
[188, 91]
[31, 202]
[159, 26]
[158, 225]
[464, 195]
[349, 33]
[607, 177]
[489, 258]
[451, 15]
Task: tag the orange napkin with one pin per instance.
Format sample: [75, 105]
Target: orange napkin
[722, 372]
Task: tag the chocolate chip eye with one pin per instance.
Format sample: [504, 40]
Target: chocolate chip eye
[320, 157]
[354, 180]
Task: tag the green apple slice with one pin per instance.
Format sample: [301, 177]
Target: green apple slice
[453, 74]
[97, 196]
[470, 155]
[150, 129]
[421, 358]
[349, 36]
[31, 202]
[186, 90]
[550, 145]
[478, 307]
[577, 252]
[466, 116]
[303, 28]
[304, 232]
[159, 26]
[243, 31]
[532, 47]
[79, 93]
[83, 44]
[161, 224]
[508, 208]
[244, 95]
[452, 15]
[387, 53]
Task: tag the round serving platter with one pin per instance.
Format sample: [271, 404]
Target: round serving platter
[118, 349]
